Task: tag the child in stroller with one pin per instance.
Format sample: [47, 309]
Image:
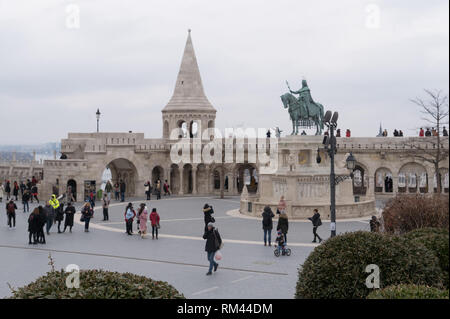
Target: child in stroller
[281, 245]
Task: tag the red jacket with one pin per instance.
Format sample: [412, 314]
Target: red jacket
[421, 133]
[154, 218]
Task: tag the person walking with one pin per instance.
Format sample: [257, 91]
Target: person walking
[166, 188]
[86, 214]
[70, 213]
[16, 191]
[316, 221]
[130, 214]
[50, 214]
[33, 226]
[92, 199]
[154, 220]
[283, 225]
[105, 206]
[59, 216]
[123, 188]
[22, 187]
[25, 200]
[8, 190]
[2, 192]
[207, 212]
[147, 188]
[267, 225]
[11, 213]
[444, 132]
[34, 193]
[421, 132]
[116, 191]
[143, 217]
[213, 244]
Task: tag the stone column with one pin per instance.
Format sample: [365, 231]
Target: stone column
[181, 190]
[194, 180]
[394, 185]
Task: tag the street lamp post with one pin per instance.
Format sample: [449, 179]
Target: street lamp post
[98, 117]
[330, 146]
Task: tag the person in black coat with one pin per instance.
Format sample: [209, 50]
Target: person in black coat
[33, 226]
[59, 216]
[70, 212]
[207, 212]
[213, 244]
[267, 224]
[42, 221]
[283, 225]
[316, 221]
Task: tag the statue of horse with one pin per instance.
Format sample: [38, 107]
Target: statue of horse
[297, 111]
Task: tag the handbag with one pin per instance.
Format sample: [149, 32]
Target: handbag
[82, 218]
[158, 226]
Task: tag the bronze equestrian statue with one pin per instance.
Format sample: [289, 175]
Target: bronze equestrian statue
[303, 109]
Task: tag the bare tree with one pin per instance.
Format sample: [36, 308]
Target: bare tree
[431, 149]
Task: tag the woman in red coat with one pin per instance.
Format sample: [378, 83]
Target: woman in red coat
[154, 219]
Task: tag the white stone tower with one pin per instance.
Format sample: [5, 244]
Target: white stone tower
[189, 103]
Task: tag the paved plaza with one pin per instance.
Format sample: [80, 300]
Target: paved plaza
[248, 269]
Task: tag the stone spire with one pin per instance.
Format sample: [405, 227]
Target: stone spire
[189, 93]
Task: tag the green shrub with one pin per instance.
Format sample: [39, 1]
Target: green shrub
[409, 292]
[436, 240]
[336, 269]
[97, 284]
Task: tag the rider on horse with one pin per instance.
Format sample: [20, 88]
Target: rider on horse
[304, 95]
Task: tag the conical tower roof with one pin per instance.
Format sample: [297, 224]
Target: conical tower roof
[189, 94]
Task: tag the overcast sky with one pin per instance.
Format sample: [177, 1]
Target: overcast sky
[125, 55]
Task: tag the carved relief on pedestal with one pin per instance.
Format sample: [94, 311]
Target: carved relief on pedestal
[313, 187]
[279, 187]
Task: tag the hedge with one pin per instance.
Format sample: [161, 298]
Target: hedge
[336, 269]
[97, 284]
[409, 292]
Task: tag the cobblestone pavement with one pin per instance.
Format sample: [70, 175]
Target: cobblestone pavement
[248, 269]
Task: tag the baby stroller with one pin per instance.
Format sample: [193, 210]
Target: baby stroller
[281, 246]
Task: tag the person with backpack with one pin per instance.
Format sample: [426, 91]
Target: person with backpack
[213, 244]
[154, 219]
[316, 221]
[11, 213]
[207, 212]
[130, 214]
[267, 225]
[34, 193]
[70, 213]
